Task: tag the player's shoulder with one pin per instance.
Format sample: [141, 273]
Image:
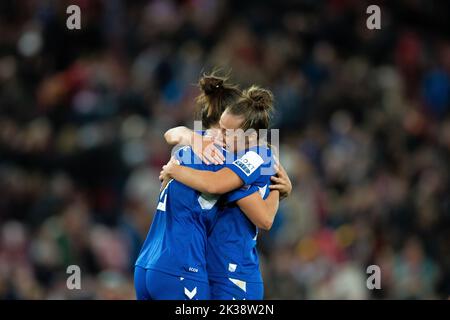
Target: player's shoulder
[187, 156]
[262, 155]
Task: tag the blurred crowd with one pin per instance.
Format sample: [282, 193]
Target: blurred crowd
[364, 129]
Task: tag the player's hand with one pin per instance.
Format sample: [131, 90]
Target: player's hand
[164, 175]
[281, 181]
[207, 148]
[164, 184]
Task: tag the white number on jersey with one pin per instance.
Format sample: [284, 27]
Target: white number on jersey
[163, 198]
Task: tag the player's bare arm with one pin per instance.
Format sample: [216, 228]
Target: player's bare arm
[179, 135]
[260, 212]
[219, 182]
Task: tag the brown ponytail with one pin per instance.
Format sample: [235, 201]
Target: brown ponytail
[255, 106]
[216, 94]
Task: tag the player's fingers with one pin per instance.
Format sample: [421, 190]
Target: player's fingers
[209, 157]
[214, 154]
[276, 179]
[206, 141]
[281, 173]
[219, 153]
[205, 160]
[218, 159]
[163, 185]
[209, 153]
[275, 187]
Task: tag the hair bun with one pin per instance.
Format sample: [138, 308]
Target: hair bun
[261, 98]
[210, 84]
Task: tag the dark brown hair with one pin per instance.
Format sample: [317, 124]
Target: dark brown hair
[216, 95]
[255, 106]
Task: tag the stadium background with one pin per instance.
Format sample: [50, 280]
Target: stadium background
[363, 115]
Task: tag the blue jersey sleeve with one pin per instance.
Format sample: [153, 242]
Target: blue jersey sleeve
[254, 163]
[254, 168]
[186, 156]
[240, 193]
[261, 185]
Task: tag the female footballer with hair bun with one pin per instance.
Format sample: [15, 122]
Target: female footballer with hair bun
[232, 259]
[172, 262]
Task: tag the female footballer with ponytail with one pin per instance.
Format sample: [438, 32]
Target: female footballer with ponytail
[232, 259]
[172, 263]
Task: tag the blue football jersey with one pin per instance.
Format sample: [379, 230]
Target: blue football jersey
[231, 250]
[177, 239]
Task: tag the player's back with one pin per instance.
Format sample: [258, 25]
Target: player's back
[176, 242]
